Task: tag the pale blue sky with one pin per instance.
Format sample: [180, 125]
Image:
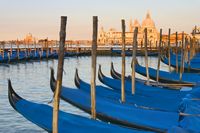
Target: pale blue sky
[42, 17]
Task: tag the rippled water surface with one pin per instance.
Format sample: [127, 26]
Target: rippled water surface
[31, 81]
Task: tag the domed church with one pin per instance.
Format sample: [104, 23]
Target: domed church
[114, 37]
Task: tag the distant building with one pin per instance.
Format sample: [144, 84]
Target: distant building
[115, 37]
[173, 38]
[29, 39]
[196, 33]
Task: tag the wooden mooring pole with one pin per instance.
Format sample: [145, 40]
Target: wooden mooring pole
[123, 62]
[187, 52]
[11, 48]
[93, 76]
[59, 73]
[159, 57]
[192, 48]
[51, 48]
[146, 55]
[134, 58]
[3, 45]
[169, 59]
[156, 45]
[26, 54]
[17, 43]
[35, 49]
[182, 57]
[47, 48]
[3, 49]
[28, 51]
[177, 52]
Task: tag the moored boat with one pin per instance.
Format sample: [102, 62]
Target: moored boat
[188, 79]
[41, 115]
[125, 115]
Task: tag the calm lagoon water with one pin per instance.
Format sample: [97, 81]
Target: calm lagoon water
[31, 81]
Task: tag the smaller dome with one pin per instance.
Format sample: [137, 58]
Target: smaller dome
[148, 22]
[136, 23]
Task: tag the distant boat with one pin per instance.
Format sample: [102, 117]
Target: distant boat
[192, 67]
[195, 58]
[129, 52]
[188, 79]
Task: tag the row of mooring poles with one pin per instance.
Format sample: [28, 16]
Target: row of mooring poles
[93, 64]
[133, 60]
[60, 71]
[160, 53]
[184, 44]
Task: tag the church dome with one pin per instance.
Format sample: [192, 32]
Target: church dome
[148, 22]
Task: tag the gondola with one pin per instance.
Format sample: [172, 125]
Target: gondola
[34, 55]
[118, 52]
[70, 54]
[43, 55]
[155, 53]
[12, 58]
[4, 59]
[15, 57]
[194, 59]
[134, 100]
[192, 67]
[129, 53]
[84, 53]
[125, 115]
[128, 78]
[55, 55]
[188, 79]
[41, 115]
[22, 56]
[141, 88]
[117, 75]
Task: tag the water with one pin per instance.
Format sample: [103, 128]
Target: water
[31, 81]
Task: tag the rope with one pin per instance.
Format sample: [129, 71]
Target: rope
[185, 114]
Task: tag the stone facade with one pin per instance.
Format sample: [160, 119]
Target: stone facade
[114, 37]
[196, 33]
[29, 39]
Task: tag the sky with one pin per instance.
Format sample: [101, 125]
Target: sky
[42, 17]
